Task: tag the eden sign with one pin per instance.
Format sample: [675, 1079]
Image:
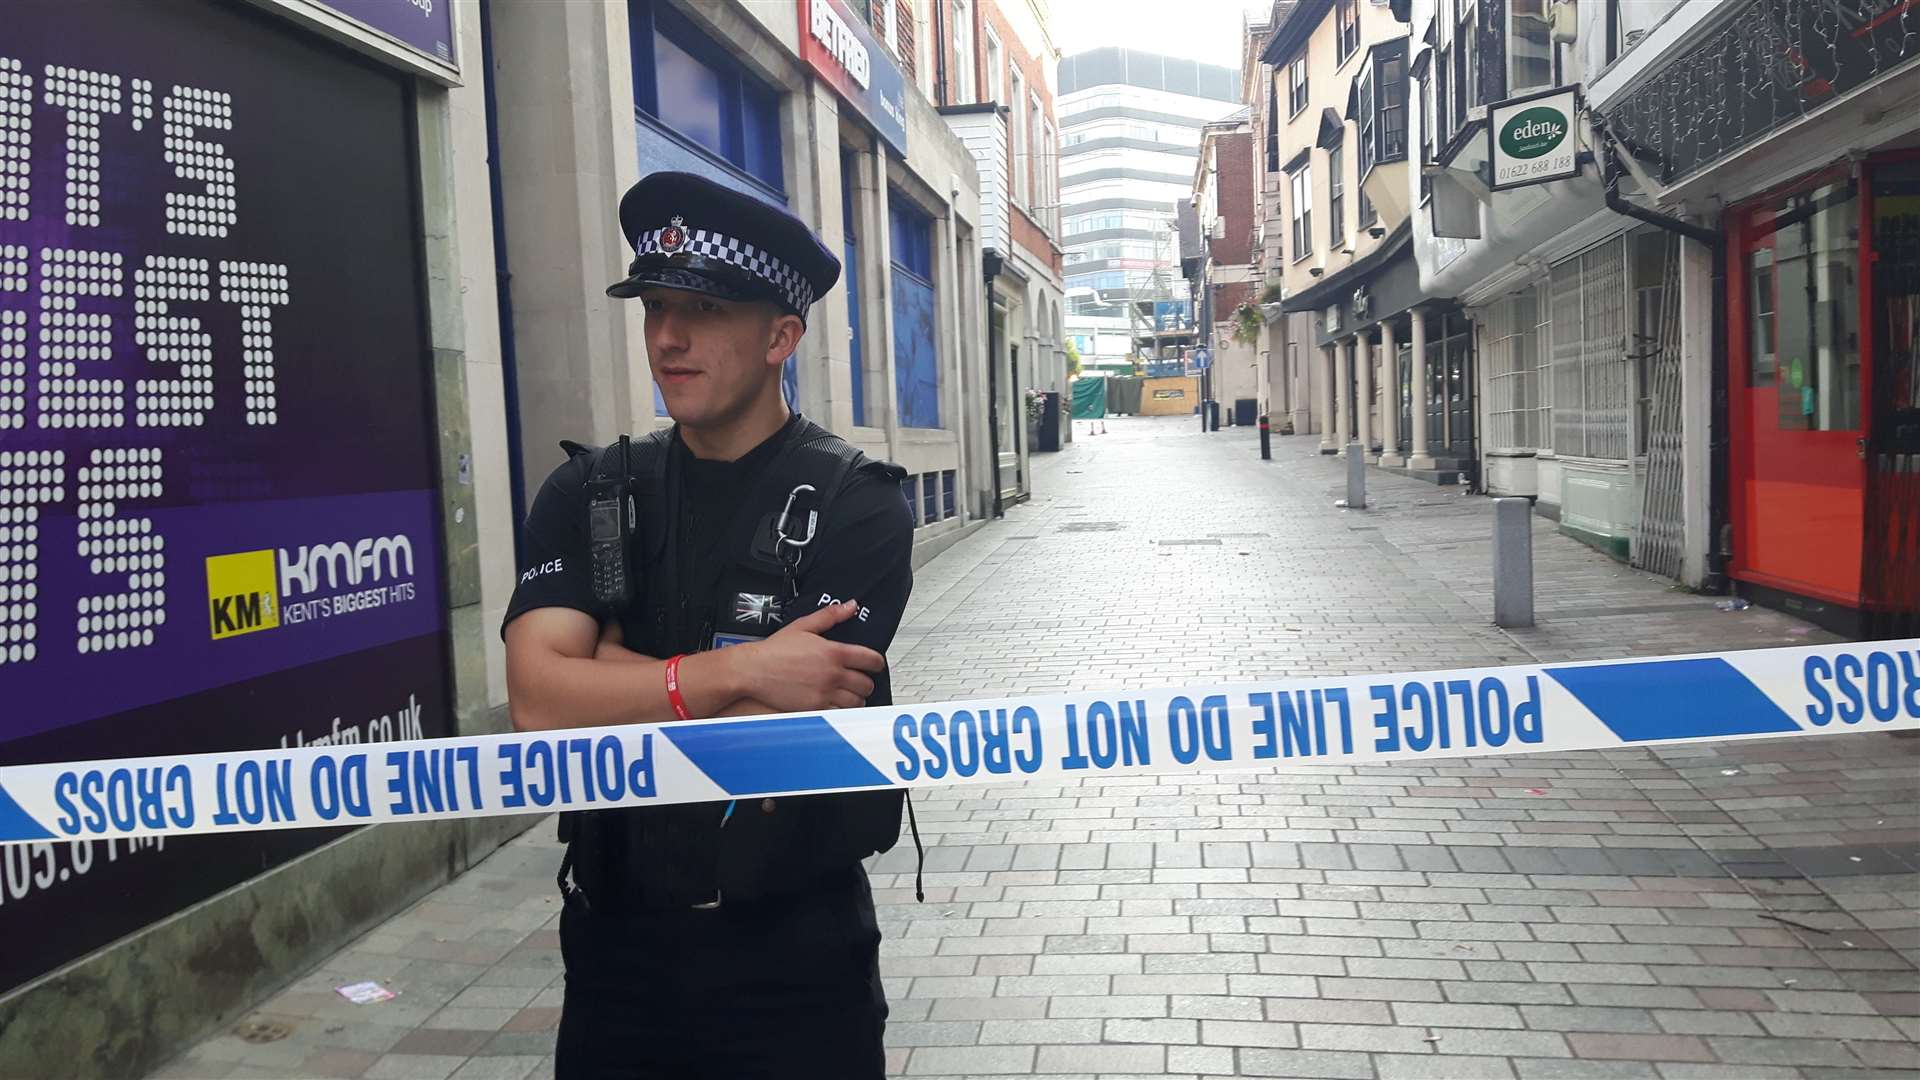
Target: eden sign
[1533, 139]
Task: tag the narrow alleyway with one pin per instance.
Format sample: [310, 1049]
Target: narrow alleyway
[1745, 911]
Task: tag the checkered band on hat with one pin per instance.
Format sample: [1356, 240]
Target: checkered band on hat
[707, 243]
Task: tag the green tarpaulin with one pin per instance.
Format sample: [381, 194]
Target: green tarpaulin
[1090, 399]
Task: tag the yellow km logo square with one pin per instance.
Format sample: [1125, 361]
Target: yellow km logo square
[241, 592]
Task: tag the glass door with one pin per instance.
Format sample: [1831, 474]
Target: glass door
[1798, 459]
[1892, 569]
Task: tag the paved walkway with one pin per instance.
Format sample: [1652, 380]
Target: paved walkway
[1746, 911]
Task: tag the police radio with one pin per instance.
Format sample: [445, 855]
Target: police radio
[610, 525]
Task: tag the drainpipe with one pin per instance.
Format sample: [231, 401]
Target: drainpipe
[990, 266]
[502, 279]
[940, 83]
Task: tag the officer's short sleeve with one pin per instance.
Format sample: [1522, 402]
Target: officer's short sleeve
[864, 553]
[553, 562]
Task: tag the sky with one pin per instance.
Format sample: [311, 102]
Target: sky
[1204, 30]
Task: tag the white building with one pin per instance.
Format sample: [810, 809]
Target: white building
[1130, 125]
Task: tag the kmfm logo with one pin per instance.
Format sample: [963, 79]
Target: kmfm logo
[242, 593]
[244, 590]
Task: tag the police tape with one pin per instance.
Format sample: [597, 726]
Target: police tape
[1271, 724]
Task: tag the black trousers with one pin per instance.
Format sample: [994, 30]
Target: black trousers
[786, 989]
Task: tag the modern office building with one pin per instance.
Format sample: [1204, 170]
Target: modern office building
[1130, 132]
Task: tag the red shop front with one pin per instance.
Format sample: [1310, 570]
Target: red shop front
[1823, 321]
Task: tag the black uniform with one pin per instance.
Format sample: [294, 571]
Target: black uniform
[781, 978]
[731, 941]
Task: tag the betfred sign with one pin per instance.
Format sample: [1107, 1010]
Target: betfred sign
[1533, 139]
[837, 45]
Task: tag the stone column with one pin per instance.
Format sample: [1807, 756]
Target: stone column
[1363, 390]
[1326, 402]
[1421, 457]
[1390, 397]
[1342, 395]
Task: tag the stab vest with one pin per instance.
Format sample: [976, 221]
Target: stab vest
[678, 856]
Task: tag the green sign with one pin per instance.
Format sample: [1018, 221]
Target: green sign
[1533, 139]
[1534, 132]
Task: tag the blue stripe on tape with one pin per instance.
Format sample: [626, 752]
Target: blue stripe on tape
[17, 824]
[788, 753]
[1674, 699]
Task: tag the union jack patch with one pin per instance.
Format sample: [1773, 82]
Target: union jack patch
[756, 608]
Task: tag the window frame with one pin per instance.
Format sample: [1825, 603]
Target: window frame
[994, 56]
[1509, 85]
[1036, 158]
[1336, 196]
[1300, 205]
[965, 53]
[1297, 92]
[913, 245]
[750, 108]
[1346, 30]
[1016, 146]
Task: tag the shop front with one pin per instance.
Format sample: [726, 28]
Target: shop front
[1819, 174]
[1398, 368]
[1823, 322]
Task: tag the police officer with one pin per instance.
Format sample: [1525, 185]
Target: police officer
[743, 561]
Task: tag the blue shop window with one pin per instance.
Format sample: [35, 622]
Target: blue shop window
[916, 359]
[692, 86]
[929, 499]
[850, 265]
[947, 508]
[909, 490]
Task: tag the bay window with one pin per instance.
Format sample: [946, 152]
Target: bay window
[1529, 47]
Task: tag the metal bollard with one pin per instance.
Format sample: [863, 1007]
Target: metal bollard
[1266, 441]
[1356, 477]
[1512, 562]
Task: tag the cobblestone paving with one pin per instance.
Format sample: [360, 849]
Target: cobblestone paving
[1747, 911]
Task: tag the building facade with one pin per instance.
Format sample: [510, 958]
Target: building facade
[1130, 127]
[1390, 378]
[1225, 288]
[1691, 343]
[1800, 294]
[415, 283]
[1003, 111]
[1562, 297]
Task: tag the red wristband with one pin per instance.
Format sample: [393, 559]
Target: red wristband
[673, 689]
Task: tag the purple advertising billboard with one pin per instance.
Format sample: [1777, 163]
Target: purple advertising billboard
[218, 505]
[426, 26]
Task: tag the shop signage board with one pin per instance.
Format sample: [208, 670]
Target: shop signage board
[1531, 139]
[837, 45]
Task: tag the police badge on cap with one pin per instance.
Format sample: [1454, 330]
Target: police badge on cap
[690, 233]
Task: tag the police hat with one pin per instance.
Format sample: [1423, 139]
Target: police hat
[690, 233]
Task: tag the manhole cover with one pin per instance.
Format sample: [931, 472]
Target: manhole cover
[262, 1031]
[1209, 542]
[1092, 526]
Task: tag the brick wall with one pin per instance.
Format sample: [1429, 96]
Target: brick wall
[1033, 81]
[903, 50]
[1233, 156]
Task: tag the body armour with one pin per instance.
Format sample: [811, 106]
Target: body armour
[696, 853]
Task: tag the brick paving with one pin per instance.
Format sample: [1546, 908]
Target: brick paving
[1732, 911]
